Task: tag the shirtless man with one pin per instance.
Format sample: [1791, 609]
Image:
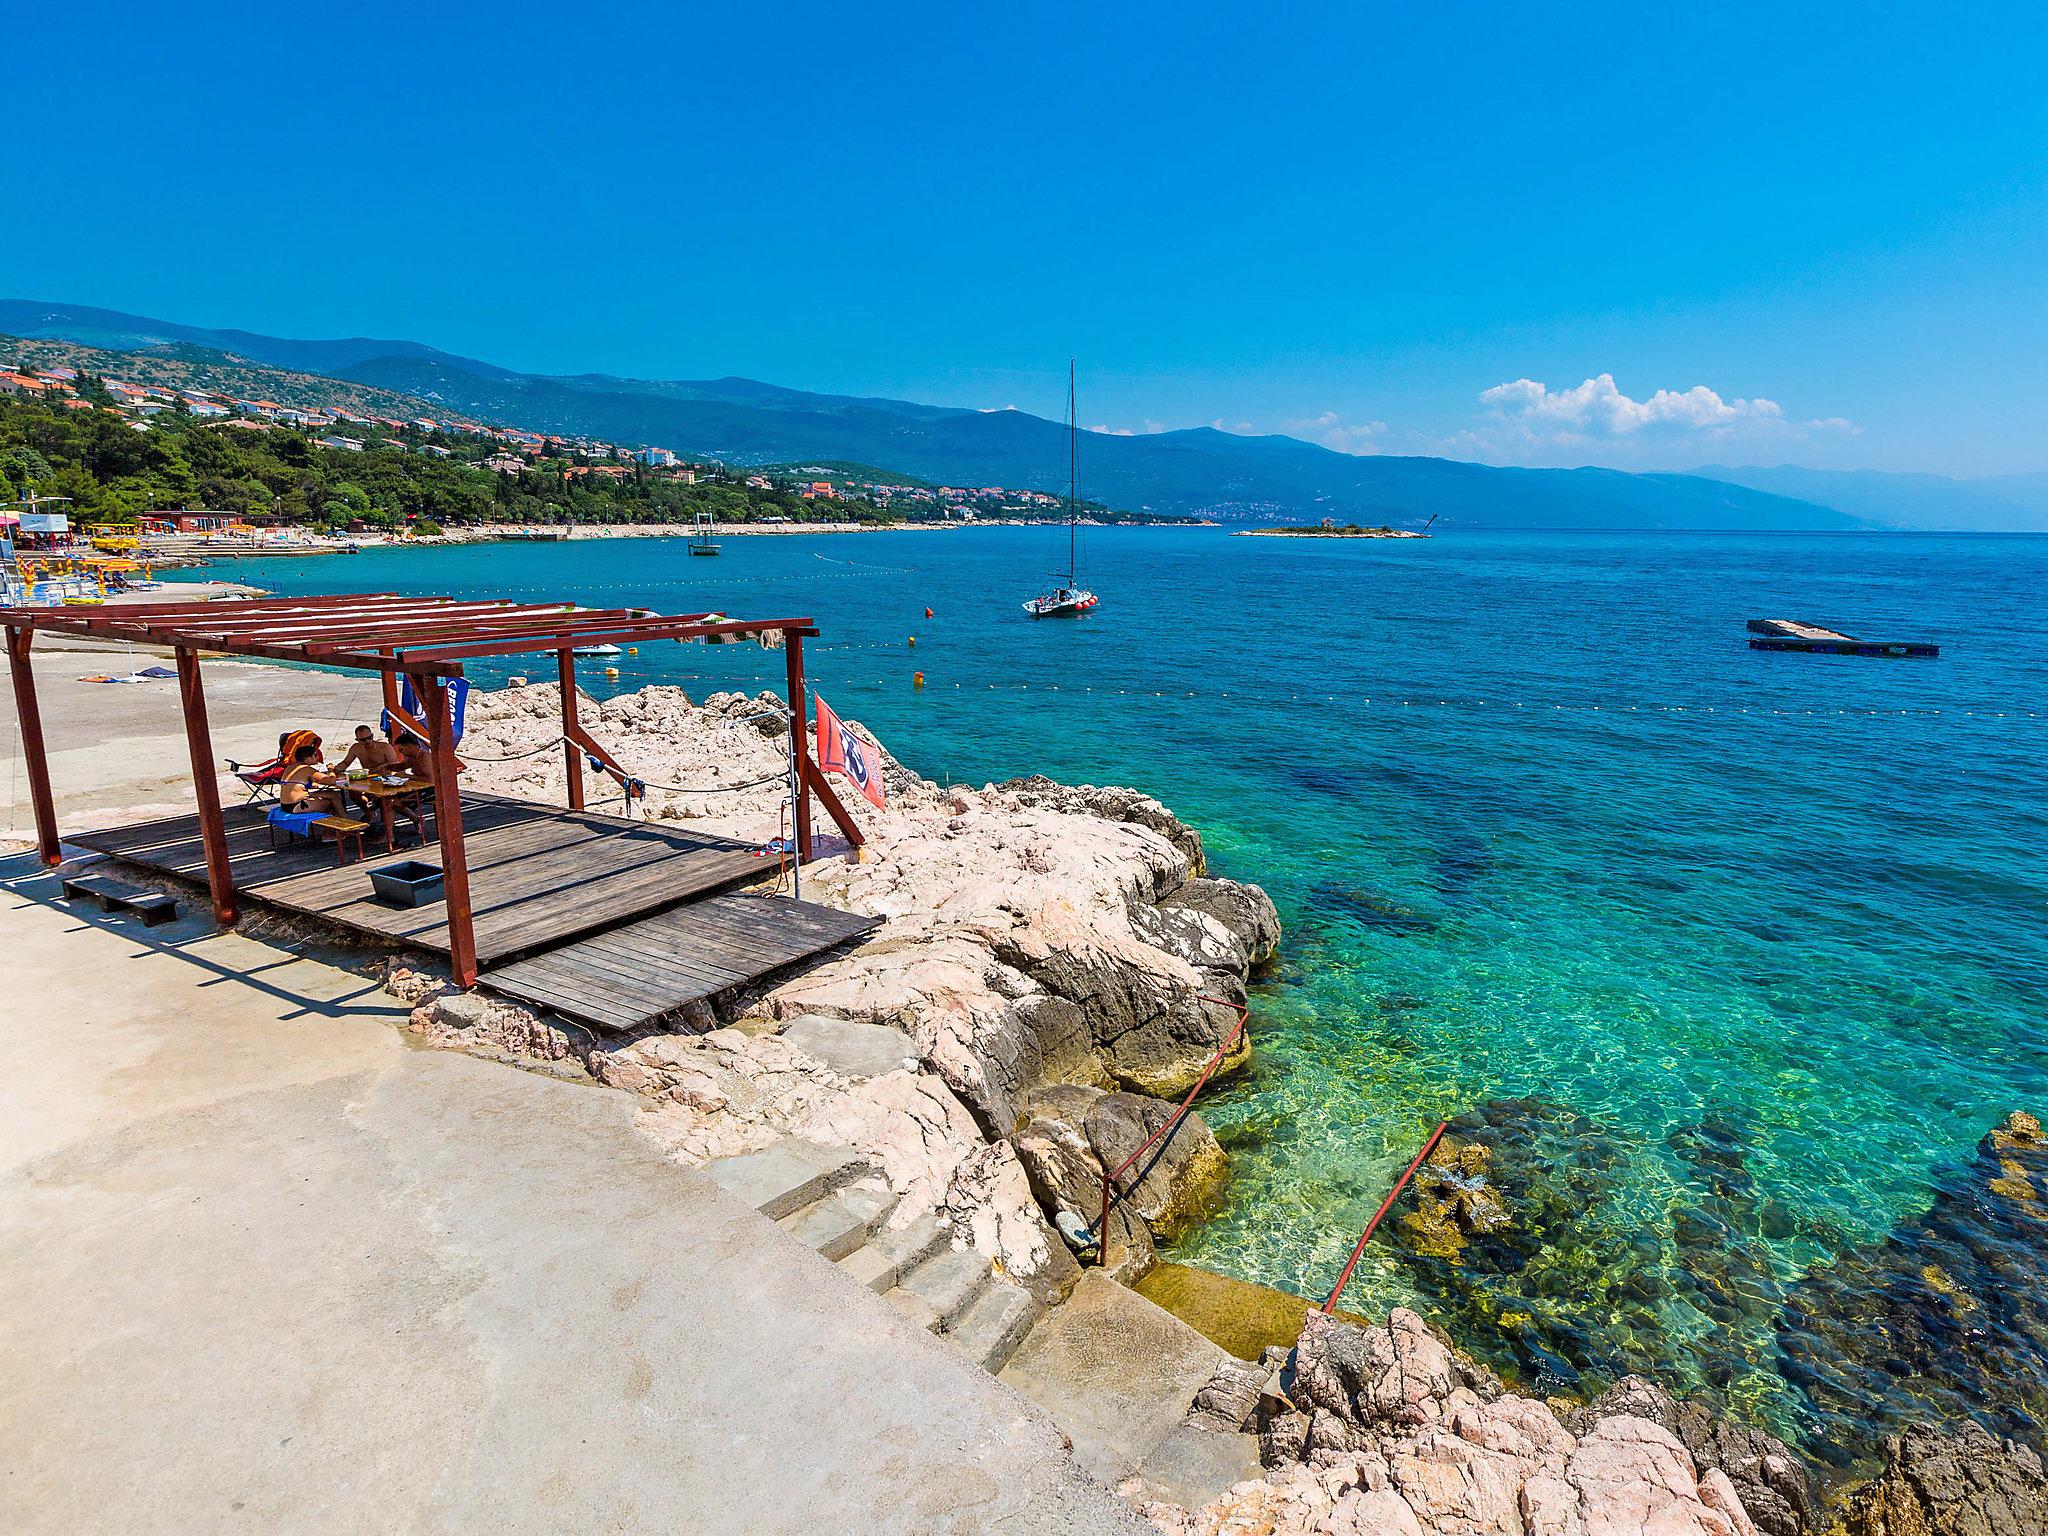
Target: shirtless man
[418, 759]
[371, 755]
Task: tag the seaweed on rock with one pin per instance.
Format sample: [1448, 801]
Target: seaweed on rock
[1946, 1319]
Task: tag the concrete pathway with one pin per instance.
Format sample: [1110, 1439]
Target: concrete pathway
[265, 1267]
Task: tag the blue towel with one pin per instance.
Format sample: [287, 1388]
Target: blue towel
[458, 703]
[298, 823]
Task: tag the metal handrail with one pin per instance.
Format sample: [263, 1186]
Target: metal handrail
[1330, 1303]
[1109, 1178]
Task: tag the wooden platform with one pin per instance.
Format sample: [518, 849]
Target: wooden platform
[538, 876]
[633, 975]
[1795, 635]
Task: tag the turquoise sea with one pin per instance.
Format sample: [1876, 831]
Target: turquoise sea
[1541, 828]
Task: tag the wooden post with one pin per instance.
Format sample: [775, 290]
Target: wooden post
[448, 821]
[19, 643]
[213, 833]
[572, 760]
[799, 743]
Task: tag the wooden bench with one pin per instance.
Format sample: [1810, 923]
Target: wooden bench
[344, 830]
[113, 895]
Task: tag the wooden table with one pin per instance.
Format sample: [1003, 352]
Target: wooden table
[386, 798]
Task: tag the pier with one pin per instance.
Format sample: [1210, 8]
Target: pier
[1794, 635]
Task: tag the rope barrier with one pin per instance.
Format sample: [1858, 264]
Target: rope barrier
[887, 684]
[1109, 1178]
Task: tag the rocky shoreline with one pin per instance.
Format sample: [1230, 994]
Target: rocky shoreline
[1054, 965]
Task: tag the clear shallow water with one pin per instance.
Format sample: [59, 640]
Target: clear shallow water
[1537, 821]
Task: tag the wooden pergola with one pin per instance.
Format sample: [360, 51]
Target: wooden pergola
[427, 639]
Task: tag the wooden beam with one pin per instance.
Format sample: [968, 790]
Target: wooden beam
[213, 834]
[834, 807]
[448, 823]
[800, 744]
[572, 760]
[665, 627]
[20, 642]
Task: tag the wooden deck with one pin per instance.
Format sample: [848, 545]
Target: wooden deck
[538, 876]
[636, 974]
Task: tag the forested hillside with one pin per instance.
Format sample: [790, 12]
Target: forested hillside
[111, 469]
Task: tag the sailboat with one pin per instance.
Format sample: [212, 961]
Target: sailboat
[1070, 597]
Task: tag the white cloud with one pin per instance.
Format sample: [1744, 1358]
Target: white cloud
[1528, 415]
[1333, 431]
[1109, 431]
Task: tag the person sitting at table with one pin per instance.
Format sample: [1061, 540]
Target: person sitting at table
[371, 755]
[307, 787]
[419, 761]
[379, 759]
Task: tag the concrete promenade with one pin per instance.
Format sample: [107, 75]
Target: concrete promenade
[266, 1267]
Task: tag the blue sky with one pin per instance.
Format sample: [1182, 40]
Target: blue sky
[1493, 232]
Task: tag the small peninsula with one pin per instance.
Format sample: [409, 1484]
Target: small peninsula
[1328, 530]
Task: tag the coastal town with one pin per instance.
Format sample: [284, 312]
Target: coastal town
[836, 491]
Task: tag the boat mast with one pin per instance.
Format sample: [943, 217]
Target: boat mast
[1073, 474]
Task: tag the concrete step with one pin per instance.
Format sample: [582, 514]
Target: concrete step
[909, 1246]
[951, 1280]
[992, 1328]
[888, 1255]
[841, 1222]
[1194, 1465]
[784, 1178]
[913, 1307]
[1117, 1373]
[870, 1269]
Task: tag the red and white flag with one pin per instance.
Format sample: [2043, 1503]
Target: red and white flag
[840, 751]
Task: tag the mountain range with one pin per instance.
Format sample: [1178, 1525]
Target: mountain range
[1198, 471]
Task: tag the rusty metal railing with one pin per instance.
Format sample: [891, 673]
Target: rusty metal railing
[1109, 1191]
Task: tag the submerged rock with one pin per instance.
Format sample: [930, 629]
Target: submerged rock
[1946, 1319]
[1244, 1318]
[1509, 1229]
[1513, 1228]
[1960, 1484]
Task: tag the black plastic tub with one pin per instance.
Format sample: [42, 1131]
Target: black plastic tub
[408, 883]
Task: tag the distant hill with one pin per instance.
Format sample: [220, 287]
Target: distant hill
[183, 365]
[746, 422]
[1999, 504]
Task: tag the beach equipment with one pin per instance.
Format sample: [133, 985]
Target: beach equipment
[260, 779]
[701, 541]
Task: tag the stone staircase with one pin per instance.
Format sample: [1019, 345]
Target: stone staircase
[830, 1199]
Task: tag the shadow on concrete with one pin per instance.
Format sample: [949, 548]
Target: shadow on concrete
[23, 877]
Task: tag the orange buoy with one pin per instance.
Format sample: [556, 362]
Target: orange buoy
[913, 642]
[927, 613]
[917, 679]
